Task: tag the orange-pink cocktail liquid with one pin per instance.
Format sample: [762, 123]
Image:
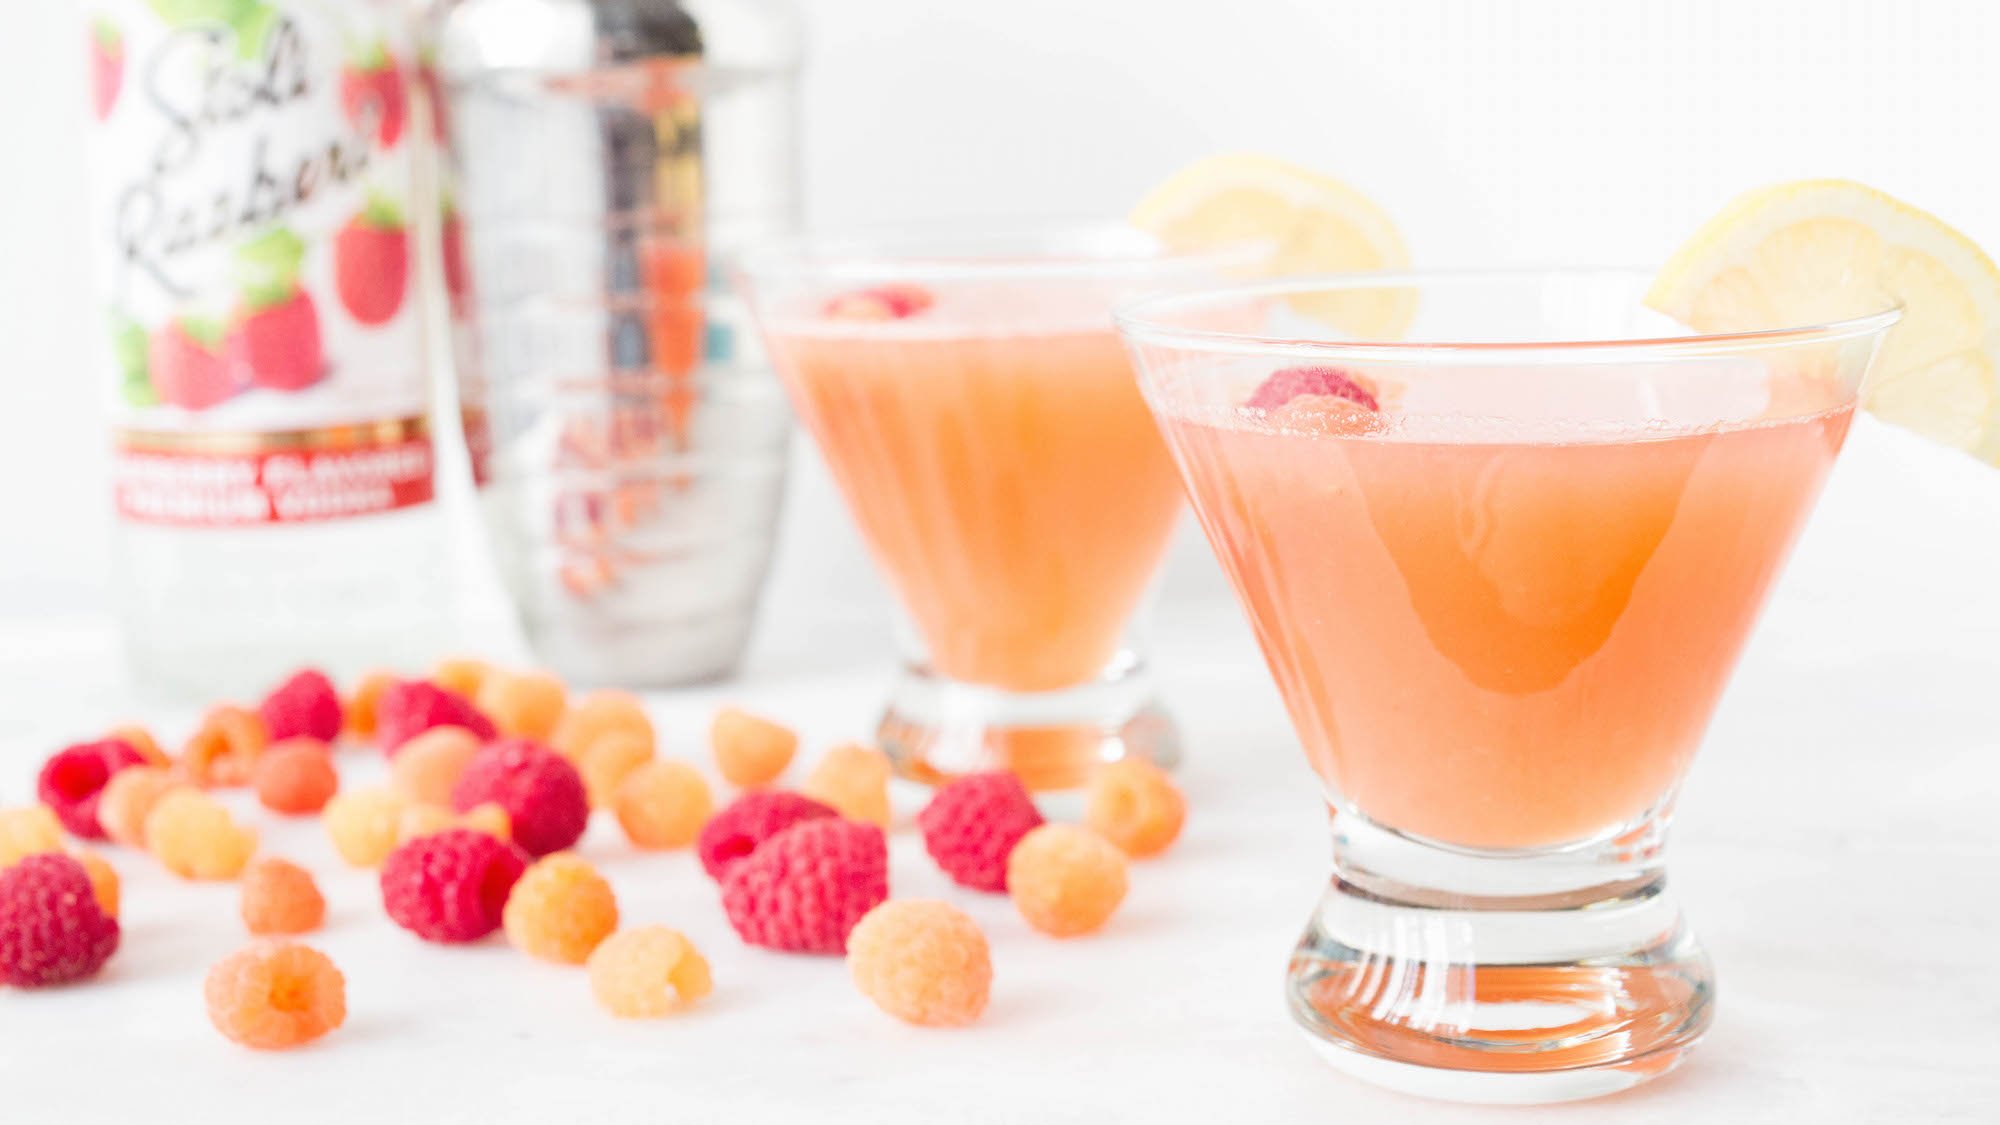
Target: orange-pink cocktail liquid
[1501, 637]
[1010, 482]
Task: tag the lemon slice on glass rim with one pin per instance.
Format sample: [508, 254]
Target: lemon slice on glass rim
[1313, 224]
[1819, 250]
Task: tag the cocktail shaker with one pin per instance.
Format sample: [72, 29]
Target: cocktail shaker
[602, 163]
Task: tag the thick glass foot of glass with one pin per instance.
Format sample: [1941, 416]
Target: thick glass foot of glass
[1499, 977]
[936, 728]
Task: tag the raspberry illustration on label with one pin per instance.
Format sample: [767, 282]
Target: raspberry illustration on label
[187, 363]
[276, 342]
[374, 95]
[371, 262]
[107, 67]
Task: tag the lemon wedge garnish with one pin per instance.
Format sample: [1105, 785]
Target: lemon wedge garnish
[1312, 224]
[1822, 250]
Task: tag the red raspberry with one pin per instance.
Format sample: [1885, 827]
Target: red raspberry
[805, 888]
[542, 793]
[451, 886]
[1289, 383]
[73, 778]
[306, 704]
[732, 834]
[973, 823]
[880, 302]
[411, 707]
[52, 930]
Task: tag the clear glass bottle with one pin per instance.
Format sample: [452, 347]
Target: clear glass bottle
[606, 161]
[252, 198]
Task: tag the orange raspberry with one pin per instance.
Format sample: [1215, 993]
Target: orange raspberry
[1135, 805]
[103, 879]
[358, 709]
[922, 961]
[223, 749]
[560, 909]
[750, 751]
[647, 973]
[424, 820]
[194, 836]
[142, 740]
[663, 805]
[1065, 880]
[128, 797]
[29, 830]
[596, 715]
[855, 781]
[523, 704]
[491, 819]
[429, 765]
[364, 824]
[276, 995]
[296, 777]
[609, 761]
[462, 676]
[280, 897]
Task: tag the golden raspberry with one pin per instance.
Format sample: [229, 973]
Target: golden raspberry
[647, 973]
[491, 819]
[275, 995]
[596, 715]
[30, 830]
[296, 777]
[663, 805]
[922, 961]
[749, 750]
[128, 797]
[280, 897]
[364, 824]
[142, 740]
[855, 781]
[427, 766]
[1135, 805]
[428, 820]
[223, 749]
[103, 879]
[194, 836]
[462, 676]
[608, 761]
[1065, 880]
[523, 704]
[560, 910]
[358, 709]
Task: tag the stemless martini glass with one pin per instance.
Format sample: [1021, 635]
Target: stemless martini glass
[977, 410]
[1501, 569]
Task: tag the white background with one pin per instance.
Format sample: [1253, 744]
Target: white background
[1560, 131]
[1835, 848]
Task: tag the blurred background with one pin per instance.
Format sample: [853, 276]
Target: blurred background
[1563, 131]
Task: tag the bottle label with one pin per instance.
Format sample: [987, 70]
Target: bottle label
[252, 223]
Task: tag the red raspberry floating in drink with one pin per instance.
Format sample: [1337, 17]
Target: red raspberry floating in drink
[409, 708]
[187, 364]
[52, 928]
[543, 794]
[371, 262]
[1327, 382]
[972, 824]
[373, 94]
[74, 778]
[803, 890]
[880, 302]
[451, 886]
[737, 831]
[306, 705]
[107, 66]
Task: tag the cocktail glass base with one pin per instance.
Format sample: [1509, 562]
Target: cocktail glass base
[1499, 978]
[936, 728]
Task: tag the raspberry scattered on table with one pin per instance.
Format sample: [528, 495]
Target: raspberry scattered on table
[224, 747]
[972, 824]
[280, 897]
[305, 706]
[855, 781]
[408, 708]
[922, 961]
[750, 750]
[365, 824]
[560, 909]
[296, 777]
[52, 929]
[663, 805]
[1066, 880]
[429, 765]
[128, 797]
[1135, 805]
[735, 832]
[599, 714]
[605, 763]
[523, 704]
[541, 791]
[451, 886]
[275, 995]
[195, 837]
[647, 973]
[803, 889]
[73, 779]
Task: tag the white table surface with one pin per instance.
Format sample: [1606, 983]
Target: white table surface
[1836, 850]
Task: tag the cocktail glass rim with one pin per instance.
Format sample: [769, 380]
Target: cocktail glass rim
[1151, 320]
[977, 250]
